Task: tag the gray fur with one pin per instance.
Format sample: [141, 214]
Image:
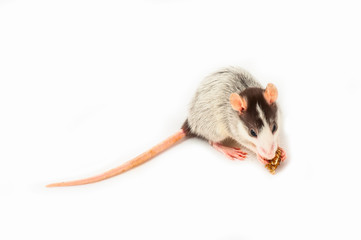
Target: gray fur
[211, 115]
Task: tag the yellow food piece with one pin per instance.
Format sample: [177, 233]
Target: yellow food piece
[275, 162]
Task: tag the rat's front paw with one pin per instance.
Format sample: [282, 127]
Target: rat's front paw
[283, 155]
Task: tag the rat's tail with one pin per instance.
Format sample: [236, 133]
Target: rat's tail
[128, 165]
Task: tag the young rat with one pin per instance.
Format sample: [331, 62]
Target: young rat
[229, 104]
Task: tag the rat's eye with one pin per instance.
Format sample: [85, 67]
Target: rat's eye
[253, 133]
[274, 128]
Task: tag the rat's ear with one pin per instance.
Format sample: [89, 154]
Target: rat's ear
[238, 103]
[271, 93]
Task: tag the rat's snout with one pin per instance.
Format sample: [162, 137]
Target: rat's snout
[268, 153]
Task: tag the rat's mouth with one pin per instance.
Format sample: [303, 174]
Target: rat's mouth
[268, 157]
[267, 154]
[263, 159]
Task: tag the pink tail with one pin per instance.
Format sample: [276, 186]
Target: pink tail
[142, 158]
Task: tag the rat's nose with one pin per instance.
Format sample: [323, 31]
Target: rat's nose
[270, 153]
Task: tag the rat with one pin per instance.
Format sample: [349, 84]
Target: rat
[229, 104]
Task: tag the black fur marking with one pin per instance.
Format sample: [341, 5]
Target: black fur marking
[187, 129]
[250, 117]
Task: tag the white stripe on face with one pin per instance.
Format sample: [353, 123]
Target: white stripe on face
[266, 140]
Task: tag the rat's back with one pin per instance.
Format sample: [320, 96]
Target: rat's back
[210, 112]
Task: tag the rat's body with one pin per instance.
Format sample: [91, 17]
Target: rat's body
[211, 115]
[228, 104]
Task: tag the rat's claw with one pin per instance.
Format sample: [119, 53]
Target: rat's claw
[240, 153]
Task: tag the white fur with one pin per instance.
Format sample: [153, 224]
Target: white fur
[245, 139]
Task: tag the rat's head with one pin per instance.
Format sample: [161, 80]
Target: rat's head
[258, 113]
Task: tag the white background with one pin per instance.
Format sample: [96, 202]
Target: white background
[87, 85]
